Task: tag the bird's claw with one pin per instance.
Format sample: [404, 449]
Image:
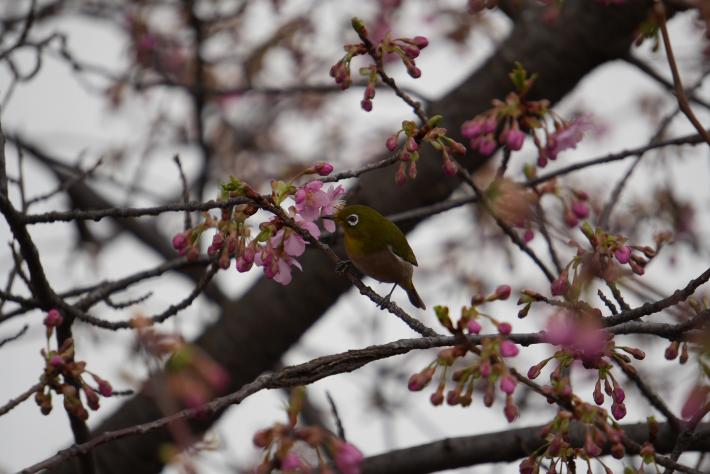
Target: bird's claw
[385, 301]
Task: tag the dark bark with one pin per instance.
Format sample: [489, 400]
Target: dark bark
[255, 331]
[503, 446]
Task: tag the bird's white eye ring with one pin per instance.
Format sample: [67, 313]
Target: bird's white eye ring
[353, 219]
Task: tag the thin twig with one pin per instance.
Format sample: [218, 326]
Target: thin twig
[338, 422]
[16, 336]
[651, 308]
[185, 191]
[660, 11]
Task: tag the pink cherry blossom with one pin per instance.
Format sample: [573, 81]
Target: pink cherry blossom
[310, 199]
[568, 137]
[333, 195]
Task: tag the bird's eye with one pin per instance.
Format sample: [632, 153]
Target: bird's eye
[353, 219]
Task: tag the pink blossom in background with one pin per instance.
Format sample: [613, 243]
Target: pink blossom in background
[568, 137]
[348, 458]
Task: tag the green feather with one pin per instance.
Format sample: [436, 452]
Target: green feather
[374, 233]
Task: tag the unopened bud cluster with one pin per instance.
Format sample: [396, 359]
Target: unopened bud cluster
[558, 452]
[414, 137]
[487, 367]
[285, 443]
[509, 122]
[580, 337]
[407, 49]
[64, 376]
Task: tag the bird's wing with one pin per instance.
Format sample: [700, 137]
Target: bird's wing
[402, 248]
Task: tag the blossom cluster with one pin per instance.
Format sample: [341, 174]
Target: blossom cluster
[408, 152]
[606, 258]
[488, 365]
[580, 337]
[285, 443]
[509, 122]
[407, 49]
[558, 449]
[64, 376]
[277, 246]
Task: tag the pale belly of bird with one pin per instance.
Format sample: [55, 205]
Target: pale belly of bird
[385, 266]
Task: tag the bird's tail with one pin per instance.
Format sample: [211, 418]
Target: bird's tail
[414, 297]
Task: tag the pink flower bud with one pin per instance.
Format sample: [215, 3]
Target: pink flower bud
[485, 369]
[179, 241]
[412, 170]
[510, 410]
[571, 218]
[453, 397]
[56, 361]
[410, 51]
[528, 235]
[472, 128]
[503, 292]
[534, 371]
[436, 398]
[623, 254]
[580, 209]
[490, 124]
[411, 145]
[508, 384]
[591, 447]
[414, 71]
[618, 394]
[449, 167]
[598, 395]
[487, 146]
[54, 318]
[262, 438]
[473, 326]
[391, 143]
[695, 401]
[421, 42]
[291, 462]
[560, 286]
[528, 465]
[105, 388]
[348, 458]
[323, 168]
[400, 177]
[505, 328]
[508, 348]
[514, 139]
[366, 105]
[618, 410]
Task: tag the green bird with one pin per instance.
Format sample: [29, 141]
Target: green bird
[377, 248]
